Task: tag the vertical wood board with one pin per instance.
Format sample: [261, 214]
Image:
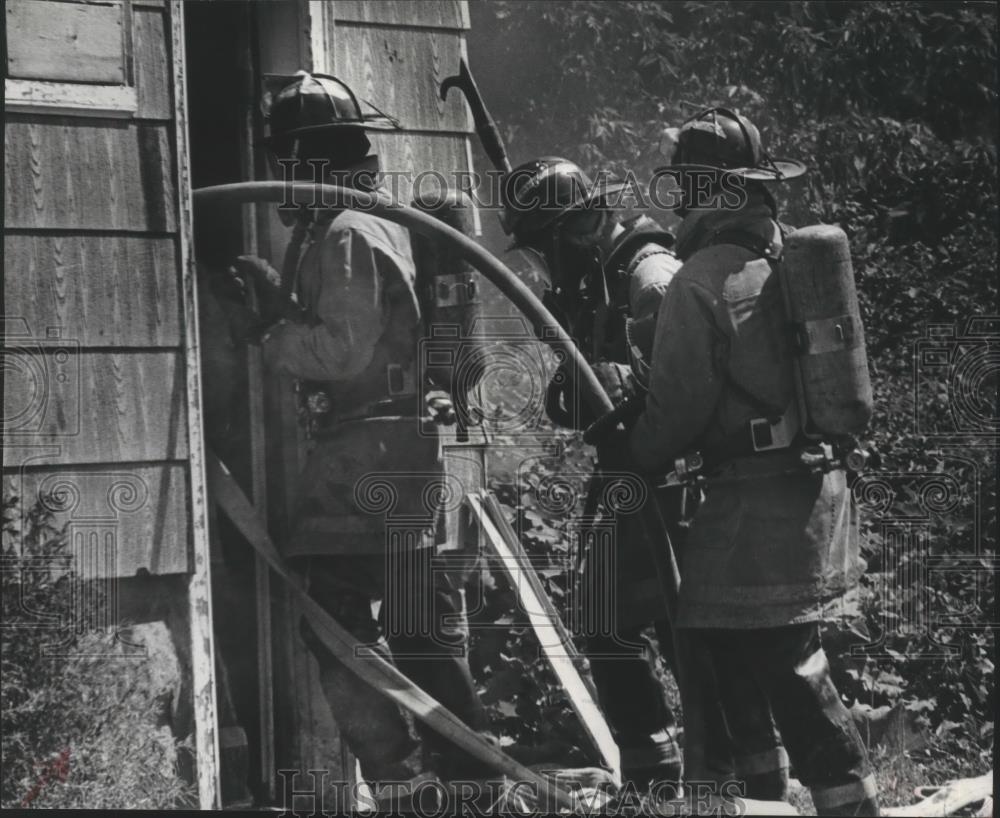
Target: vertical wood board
[152, 64]
[447, 14]
[200, 581]
[420, 159]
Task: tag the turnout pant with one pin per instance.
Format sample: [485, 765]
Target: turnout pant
[631, 694]
[789, 683]
[423, 631]
[635, 704]
[619, 597]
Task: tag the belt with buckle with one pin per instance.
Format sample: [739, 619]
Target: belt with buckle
[399, 406]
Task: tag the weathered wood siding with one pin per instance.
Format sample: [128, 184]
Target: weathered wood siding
[93, 303]
[88, 284]
[395, 55]
[78, 43]
[120, 508]
[70, 173]
[101, 407]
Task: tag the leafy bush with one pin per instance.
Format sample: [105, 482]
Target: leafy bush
[78, 714]
[527, 705]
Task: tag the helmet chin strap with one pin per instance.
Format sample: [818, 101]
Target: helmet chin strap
[565, 281]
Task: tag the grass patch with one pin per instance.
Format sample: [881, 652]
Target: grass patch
[84, 719]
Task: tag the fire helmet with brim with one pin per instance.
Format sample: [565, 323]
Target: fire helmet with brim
[539, 193]
[313, 103]
[721, 138]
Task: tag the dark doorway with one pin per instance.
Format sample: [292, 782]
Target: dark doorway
[221, 117]
[220, 98]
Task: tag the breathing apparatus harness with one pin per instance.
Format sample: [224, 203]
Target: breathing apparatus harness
[600, 322]
[776, 434]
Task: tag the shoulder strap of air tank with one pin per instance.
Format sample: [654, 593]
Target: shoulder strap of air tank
[750, 241]
[767, 250]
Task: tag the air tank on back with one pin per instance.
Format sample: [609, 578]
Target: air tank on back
[835, 392]
[452, 350]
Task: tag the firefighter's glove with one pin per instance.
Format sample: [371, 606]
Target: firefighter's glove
[564, 405]
[616, 379]
[255, 272]
[256, 269]
[440, 408]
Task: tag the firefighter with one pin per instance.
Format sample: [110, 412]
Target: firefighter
[773, 544]
[351, 338]
[606, 273]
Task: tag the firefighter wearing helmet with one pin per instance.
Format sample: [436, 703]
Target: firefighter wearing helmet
[350, 337]
[774, 542]
[605, 275]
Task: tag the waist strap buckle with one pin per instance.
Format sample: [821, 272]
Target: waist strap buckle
[399, 380]
[766, 436]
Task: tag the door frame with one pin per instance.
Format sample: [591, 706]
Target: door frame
[206, 726]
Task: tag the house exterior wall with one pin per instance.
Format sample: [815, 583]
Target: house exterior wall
[102, 409]
[93, 299]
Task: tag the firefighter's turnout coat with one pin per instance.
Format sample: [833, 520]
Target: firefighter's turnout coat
[768, 546]
[374, 456]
